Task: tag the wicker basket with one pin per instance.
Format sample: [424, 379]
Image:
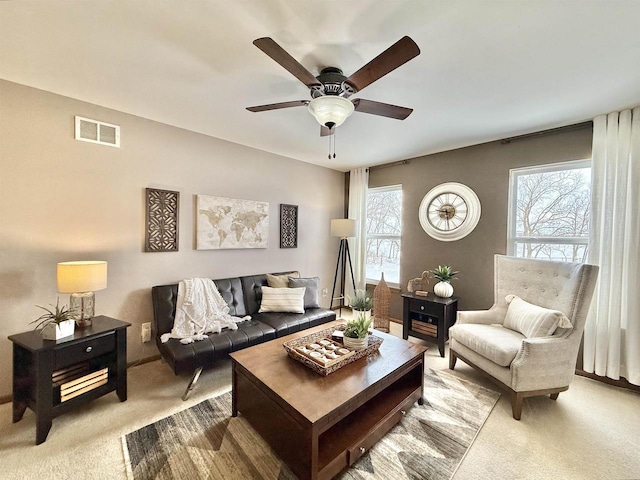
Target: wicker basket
[292, 347]
[381, 297]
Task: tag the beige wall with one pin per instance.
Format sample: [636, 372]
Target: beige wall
[62, 199]
[484, 168]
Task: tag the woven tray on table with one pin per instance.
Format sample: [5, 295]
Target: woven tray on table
[322, 368]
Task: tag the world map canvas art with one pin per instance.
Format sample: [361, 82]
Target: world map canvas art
[223, 223]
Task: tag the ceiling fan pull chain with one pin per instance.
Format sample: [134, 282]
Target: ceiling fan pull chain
[334, 143]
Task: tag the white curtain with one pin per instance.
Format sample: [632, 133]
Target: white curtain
[612, 331]
[358, 183]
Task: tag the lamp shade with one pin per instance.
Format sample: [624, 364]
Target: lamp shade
[343, 227]
[330, 110]
[74, 277]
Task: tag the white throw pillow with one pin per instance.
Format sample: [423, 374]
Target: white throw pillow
[282, 300]
[532, 320]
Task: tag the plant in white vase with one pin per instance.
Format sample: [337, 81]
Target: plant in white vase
[56, 324]
[356, 333]
[444, 274]
[362, 303]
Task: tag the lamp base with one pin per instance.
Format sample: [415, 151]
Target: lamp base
[84, 305]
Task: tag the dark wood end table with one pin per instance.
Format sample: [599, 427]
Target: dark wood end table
[428, 318]
[44, 369]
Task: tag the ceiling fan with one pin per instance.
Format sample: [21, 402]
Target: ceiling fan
[331, 89]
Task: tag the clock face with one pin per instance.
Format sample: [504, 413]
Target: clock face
[449, 211]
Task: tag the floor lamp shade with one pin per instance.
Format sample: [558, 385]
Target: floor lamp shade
[343, 227]
[81, 279]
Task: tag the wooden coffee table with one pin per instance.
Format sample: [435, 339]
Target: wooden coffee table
[320, 425]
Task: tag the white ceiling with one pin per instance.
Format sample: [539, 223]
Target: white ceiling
[488, 69]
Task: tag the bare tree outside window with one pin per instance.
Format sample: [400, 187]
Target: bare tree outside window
[384, 228]
[551, 206]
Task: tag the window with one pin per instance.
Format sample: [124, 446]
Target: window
[549, 211]
[384, 226]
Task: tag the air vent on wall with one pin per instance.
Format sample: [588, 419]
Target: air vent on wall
[94, 131]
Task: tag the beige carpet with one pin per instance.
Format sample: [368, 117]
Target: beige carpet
[590, 432]
[204, 440]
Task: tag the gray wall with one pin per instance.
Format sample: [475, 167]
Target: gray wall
[484, 168]
[62, 199]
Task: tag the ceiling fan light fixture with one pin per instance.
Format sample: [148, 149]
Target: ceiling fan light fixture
[330, 110]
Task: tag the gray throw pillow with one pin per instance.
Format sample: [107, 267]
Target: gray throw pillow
[311, 292]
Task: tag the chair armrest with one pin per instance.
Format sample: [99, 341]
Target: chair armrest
[545, 362]
[486, 317]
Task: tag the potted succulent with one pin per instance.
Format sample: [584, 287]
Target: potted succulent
[362, 303]
[56, 324]
[443, 273]
[356, 333]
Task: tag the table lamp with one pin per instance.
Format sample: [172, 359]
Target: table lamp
[81, 279]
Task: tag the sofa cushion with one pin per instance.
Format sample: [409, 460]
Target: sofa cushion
[311, 292]
[532, 320]
[494, 342]
[281, 281]
[186, 358]
[286, 323]
[282, 300]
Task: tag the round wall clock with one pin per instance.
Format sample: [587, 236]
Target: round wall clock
[449, 211]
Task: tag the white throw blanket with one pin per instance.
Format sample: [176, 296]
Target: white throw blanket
[200, 309]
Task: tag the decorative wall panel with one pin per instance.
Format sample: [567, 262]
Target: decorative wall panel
[288, 226]
[161, 233]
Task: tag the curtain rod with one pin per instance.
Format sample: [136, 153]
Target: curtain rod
[393, 164]
[551, 131]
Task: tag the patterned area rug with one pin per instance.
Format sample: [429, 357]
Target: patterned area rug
[205, 442]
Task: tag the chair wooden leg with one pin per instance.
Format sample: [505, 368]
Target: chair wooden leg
[554, 396]
[452, 359]
[516, 404]
[192, 383]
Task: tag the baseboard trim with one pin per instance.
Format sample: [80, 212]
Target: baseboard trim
[622, 383]
[144, 360]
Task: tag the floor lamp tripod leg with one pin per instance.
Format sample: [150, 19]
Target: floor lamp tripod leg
[335, 277]
[350, 265]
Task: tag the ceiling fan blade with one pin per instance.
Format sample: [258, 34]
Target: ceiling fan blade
[325, 132]
[276, 106]
[397, 54]
[382, 109]
[276, 52]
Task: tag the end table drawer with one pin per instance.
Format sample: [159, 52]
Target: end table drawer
[84, 351]
[424, 307]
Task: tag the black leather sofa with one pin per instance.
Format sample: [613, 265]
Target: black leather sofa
[243, 295]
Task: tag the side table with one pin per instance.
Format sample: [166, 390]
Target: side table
[428, 318]
[53, 377]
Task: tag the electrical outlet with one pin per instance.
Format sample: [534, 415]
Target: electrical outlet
[146, 332]
[325, 292]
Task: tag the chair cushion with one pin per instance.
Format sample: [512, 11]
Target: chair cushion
[494, 342]
[282, 300]
[532, 320]
[311, 292]
[281, 281]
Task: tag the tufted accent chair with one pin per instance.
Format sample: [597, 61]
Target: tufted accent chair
[527, 366]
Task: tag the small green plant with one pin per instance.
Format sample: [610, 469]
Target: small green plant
[358, 328]
[362, 301]
[443, 273]
[60, 314]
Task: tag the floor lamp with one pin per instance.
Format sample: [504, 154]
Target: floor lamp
[343, 228]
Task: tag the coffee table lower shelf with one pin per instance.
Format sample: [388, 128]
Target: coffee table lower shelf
[322, 449]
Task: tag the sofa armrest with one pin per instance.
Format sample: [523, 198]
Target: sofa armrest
[543, 363]
[486, 317]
